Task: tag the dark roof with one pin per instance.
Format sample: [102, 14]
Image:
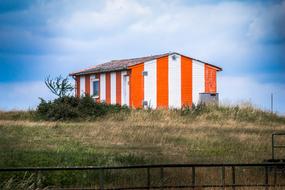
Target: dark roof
[122, 64]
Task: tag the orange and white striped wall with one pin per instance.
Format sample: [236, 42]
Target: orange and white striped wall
[110, 87]
[168, 82]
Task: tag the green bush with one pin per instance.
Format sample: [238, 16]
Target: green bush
[44, 107]
[64, 108]
[72, 108]
[89, 108]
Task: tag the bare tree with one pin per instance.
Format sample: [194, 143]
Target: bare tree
[59, 86]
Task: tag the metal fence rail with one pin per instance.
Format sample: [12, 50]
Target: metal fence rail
[270, 171]
[274, 145]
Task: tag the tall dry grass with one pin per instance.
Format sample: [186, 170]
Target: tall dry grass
[200, 135]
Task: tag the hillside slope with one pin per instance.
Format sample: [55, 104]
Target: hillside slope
[211, 135]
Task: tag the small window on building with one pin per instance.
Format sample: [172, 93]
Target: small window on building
[95, 84]
[144, 73]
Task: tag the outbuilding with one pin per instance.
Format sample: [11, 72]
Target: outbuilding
[169, 80]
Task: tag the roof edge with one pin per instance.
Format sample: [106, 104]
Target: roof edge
[96, 71]
[85, 71]
[217, 67]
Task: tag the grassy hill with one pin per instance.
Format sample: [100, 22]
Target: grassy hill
[202, 135]
[212, 134]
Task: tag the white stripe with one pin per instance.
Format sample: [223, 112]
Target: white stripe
[82, 85]
[198, 80]
[150, 83]
[122, 87]
[125, 90]
[113, 88]
[174, 81]
[102, 87]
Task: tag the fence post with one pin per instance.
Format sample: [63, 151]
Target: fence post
[193, 177]
[148, 178]
[275, 176]
[223, 177]
[272, 147]
[266, 178]
[233, 178]
[36, 180]
[161, 178]
[101, 179]
[39, 180]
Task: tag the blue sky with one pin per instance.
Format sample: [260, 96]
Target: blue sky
[53, 37]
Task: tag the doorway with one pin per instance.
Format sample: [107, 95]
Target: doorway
[126, 90]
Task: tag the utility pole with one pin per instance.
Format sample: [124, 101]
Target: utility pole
[271, 102]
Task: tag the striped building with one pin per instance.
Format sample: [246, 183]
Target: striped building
[168, 80]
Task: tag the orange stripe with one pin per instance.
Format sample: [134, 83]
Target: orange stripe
[87, 85]
[129, 73]
[77, 86]
[118, 87]
[136, 86]
[186, 81]
[130, 88]
[108, 88]
[162, 82]
[210, 79]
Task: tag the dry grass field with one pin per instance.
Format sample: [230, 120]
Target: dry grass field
[213, 135]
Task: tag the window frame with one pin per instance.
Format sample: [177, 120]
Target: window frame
[92, 83]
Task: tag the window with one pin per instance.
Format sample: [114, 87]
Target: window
[95, 84]
[144, 73]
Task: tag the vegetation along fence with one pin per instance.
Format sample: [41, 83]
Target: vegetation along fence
[168, 176]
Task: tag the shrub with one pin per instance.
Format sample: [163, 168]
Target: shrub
[62, 111]
[64, 108]
[72, 108]
[44, 107]
[89, 108]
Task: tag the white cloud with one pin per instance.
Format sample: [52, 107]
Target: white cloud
[208, 32]
[22, 95]
[235, 90]
[86, 24]
[211, 32]
[269, 22]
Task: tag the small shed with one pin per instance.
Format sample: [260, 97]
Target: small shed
[169, 80]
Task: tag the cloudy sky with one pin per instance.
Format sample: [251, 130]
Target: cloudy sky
[53, 37]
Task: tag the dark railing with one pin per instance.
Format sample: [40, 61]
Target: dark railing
[274, 145]
[227, 179]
